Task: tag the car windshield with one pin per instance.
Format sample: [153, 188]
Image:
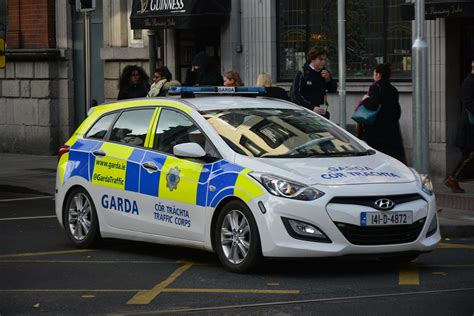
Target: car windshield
[281, 133]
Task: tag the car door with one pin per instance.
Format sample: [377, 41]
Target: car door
[116, 170]
[178, 208]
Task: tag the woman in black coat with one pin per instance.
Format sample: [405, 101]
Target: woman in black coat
[385, 134]
[133, 83]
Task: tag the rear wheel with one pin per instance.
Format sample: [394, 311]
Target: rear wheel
[80, 219]
[237, 239]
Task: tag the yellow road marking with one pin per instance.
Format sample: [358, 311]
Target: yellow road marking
[273, 284]
[169, 290]
[252, 291]
[71, 290]
[88, 296]
[444, 245]
[145, 297]
[83, 261]
[409, 274]
[439, 273]
[45, 253]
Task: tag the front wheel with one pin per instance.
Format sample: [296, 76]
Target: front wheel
[80, 219]
[237, 239]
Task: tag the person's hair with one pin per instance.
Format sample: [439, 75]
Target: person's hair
[234, 75]
[314, 53]
[127, 73]
[164, 72]
[385, 70]
[264, 80]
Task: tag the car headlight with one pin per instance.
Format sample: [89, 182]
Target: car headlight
[286, 188]
[424, 181]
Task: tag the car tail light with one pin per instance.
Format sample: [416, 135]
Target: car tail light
[62, 150]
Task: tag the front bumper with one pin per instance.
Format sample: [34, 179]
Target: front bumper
[327, 216]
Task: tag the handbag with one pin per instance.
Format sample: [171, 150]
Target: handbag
[365, 116]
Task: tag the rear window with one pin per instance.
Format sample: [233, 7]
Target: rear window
[100, 128]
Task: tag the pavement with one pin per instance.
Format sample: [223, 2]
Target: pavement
[33, 174]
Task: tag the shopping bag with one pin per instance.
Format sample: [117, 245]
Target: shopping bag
[365, 116]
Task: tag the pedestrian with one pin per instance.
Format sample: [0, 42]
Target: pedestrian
[385, 134]
[162, 82]
[133, 83]
[232, 79]
[312, 82]
[465, 133]
[203, 72]
[265, 80]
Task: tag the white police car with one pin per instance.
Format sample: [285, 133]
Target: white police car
[245, 177]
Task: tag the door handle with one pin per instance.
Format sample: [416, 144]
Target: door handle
[99, 153]
[150, 166]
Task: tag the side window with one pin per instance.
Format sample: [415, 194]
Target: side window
[100, 128]
[175, 128]
[131, 127]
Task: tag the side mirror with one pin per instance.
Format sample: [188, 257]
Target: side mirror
[189, 150]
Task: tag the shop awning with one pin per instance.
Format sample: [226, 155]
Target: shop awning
[178, 14]
[441, 9]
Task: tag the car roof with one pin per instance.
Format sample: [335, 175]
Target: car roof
[206, 103]
[200, 103]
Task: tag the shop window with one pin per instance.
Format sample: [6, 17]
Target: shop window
[375, 33]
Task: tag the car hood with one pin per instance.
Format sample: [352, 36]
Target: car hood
[377, 168]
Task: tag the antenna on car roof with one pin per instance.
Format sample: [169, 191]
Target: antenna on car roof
[190, 92]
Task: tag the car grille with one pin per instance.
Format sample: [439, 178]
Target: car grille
[370, 200]
[381, 235]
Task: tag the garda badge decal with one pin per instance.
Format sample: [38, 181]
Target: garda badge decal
[172, 178]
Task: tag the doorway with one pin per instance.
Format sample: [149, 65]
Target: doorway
[191, 42]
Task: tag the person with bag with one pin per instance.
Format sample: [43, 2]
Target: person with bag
[133, 83]
[465, 133]
[162, 82]
[312, 82]
[378, 115]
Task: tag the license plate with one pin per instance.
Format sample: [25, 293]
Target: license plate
[386, 219]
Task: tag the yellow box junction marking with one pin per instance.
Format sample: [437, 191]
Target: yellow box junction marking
[145, 297]
[110, 171]
[251, 291]
[409, 274]
[2, 53]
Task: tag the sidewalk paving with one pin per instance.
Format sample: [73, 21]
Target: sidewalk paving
[37, 174]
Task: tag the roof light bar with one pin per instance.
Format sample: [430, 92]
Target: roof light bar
[217, 90]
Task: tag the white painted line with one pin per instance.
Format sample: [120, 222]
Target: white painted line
[29, 198]
[21, 218]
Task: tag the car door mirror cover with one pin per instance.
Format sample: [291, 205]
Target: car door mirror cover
[189, 150]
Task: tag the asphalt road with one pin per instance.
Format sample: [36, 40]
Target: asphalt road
[40, 272]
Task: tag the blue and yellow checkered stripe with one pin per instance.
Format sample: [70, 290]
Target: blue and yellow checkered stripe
[122, 169]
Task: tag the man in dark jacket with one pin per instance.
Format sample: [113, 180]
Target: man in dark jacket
[312, 82]
[204, 72]
[465, 135]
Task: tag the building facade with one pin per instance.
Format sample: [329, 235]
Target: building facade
[251, 37]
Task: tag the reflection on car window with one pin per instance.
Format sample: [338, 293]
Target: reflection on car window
[175, 128]
[281, 133]
[132, 126]
[100, 128]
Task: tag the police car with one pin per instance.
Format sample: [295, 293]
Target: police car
[245, 177]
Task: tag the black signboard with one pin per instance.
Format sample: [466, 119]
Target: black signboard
[178, 14]
[443, 9]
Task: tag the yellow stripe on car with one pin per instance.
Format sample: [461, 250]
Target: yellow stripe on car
[246, 188]
[62, 165]
[109, 171]
[179, 180]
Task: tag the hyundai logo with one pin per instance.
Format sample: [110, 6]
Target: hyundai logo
[384, 204]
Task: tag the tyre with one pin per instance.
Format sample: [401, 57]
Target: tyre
[237, 239]
[80, 219]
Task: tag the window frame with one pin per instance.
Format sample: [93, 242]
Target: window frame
[152, 148]
[408, 79]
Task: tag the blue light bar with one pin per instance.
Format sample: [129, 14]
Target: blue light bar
[217, 90]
